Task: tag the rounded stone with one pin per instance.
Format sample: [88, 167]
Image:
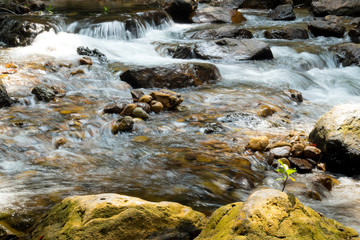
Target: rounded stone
[140, 113]
[258, 143]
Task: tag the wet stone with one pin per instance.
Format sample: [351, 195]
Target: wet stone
[140, 113]
[258, 143]
[294, 95]
[214, 128]
[280, 152]
[297, 149]
[128, 110]
[123, 124]
[301, 165]
[136, 94]
[92, 53]
[283, 12]
[146, 98]
[312, 152]
[5, 100]
[156, 106]
[169, 99]
[114, 108]
[145, 106]
[85, 61]
[43, 92]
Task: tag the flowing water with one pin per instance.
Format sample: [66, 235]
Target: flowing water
[153, 161]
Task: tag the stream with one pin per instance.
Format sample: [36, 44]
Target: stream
[168, 157]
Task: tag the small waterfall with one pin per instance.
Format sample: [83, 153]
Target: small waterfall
[122, 27]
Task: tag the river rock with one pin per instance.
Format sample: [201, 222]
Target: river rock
[156, 106]
[169, 99]
[85, 61]
[288, 32]
[155, 17]
[281, 152]
[233, 49]
[43, 92]
[297, 149]
[140, 113]
[92, 53]
[327, 28]
[335, 7]
[294, 95]
[144, 106]
[136, 94]
[228, 31]
[5, 100]
[337, 134]
[113, 216]
[283, 12]
[123, 124]
[114, 108]
[128, 110]
[180, 10]
[181, 52]
[231, 4]
[312, 152]
[301, 165]
[20, 31]
[354, 34]
[271, 214]
[146, 98]
[218, 15]
[37, 5]
[258, 143]
[348, 53]
[171, 76]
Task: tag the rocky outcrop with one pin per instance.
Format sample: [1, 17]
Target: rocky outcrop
[20, 31]
[218, 15]
[113, 216]
[171, 76]
[180, 10]
[271, 214]
[92, 53]
[348, 53]
[288, 33]
[335, 7]
[337, 134]
[233, 50]
[328, 27]
[227, 31]
[5, 100]
[283, 12]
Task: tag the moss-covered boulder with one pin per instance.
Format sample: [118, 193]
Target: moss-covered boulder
[271, 214]
[113, 216]
[337, 134]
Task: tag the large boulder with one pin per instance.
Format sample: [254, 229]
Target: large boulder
[348, 53]
[288, 32]
[20, 31]
[337, 134]
[271, 214]
[5, 100]
[335, 7]
[328, 27]
[171, 76]
[233, 49]
[218, 15]
[113, 216]
[180, 10]
[228, 31]
[283, 12]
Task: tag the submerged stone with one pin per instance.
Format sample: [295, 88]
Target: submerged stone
[5, 100]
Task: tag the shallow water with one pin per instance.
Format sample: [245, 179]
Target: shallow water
[34, 174]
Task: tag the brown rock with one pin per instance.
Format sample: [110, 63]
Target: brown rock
[145, 106]
[128, 109]
[288, 32]
[136, 94]
[114, 108]
[77, 71]
[301, 165]
[297, 149]
[218, 15]
[85, 61]
[169, 99]
[258, 143]
[312, 152]
[327, 28]
[146, 98]
[156, 106]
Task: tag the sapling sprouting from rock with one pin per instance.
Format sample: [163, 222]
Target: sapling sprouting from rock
[286, 172]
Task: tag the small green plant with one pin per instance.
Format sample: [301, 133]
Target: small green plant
[106, 9]
[286, 172]
[49, 9]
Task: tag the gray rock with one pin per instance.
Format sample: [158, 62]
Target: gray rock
[348, 53]
[171, 76]
[233, 50]
[281, 152]
[337, 134]
[217, 15]
[283, 12]
[43, 92]
[335, 7]
[228, 31]
[288, 33]
[327, 28]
